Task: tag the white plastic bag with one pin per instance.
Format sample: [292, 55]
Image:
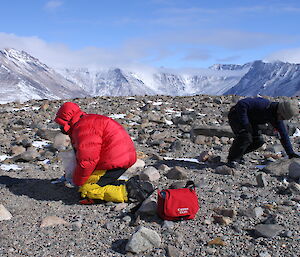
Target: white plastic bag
[69, 163]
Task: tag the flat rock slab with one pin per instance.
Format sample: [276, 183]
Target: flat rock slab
[278, 168]
[268, 230]
[224, 131]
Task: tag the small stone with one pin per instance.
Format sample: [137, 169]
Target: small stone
[4, 213]
[204, 156]
[53, 221]
[226, 212]
[261, 180]
[294, 170]
[126, 219]
[224, 170]
[167, 224]
[256, 212]
[177, 184]
[148, 207]
[139, 165]
[217, 241]
[76, 225]
[109, 225]
[164, 167]
[177, 173]
[150, 174]
[222, 220]
[211, 251]
[207, 222]
[172, 251]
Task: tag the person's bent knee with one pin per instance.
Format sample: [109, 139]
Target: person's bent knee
[245, 137]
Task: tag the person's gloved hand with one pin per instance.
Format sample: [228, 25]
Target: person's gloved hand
[293, 155]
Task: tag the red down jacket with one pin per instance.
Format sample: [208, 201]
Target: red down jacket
[100, 142]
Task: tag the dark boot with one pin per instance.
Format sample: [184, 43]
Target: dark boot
[138, 190]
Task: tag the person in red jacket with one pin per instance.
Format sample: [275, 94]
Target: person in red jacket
[104, 150]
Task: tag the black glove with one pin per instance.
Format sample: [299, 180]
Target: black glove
[293, 155]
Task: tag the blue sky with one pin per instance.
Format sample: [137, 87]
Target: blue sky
[158, 33]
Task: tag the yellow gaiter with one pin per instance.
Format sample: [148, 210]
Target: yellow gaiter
[108, 193]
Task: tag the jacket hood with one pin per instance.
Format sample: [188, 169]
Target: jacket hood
[68, 114]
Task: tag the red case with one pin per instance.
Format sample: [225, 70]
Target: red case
[178, 204]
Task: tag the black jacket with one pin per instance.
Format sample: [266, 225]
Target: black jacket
[258, 110]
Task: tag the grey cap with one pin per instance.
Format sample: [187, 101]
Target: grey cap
[288, 109]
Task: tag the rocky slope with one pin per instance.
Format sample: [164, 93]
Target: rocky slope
[23, 77]
[243, 212]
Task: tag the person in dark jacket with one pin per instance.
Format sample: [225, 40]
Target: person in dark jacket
[244, 119]
[104, 151]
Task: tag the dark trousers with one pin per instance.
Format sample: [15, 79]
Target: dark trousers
[244, 141]
[111, 177]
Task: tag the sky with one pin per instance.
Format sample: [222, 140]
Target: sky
[177, 34]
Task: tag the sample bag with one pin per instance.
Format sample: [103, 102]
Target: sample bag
[178, 204]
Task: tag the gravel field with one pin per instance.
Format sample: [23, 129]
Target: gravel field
[247, 211]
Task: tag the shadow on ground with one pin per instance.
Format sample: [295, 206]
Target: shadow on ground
[40, 189]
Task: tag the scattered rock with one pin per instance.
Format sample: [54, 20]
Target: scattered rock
[53, 221]
[222, 220]
[177, 173]
[224, 170]
[217, 241]
[267, 230]
[4, 213]
[261, 180]
[172, 251]
[150, 174]
[142, 240]
[294, 170]
[148, 207]
[226, 212]
[139, 165]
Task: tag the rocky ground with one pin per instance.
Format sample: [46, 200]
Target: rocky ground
[247, 211]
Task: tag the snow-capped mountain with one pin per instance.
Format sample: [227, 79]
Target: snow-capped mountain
[23, 77]
[272, 79]
[109, 82]
[117, 82]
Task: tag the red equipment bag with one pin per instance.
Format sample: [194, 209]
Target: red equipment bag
[178, 204]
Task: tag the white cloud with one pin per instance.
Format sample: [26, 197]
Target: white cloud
[287, 55]
[53, 4]
[140, 53]
[60, 56]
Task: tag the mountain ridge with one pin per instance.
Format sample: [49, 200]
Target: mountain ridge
[32, 79]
